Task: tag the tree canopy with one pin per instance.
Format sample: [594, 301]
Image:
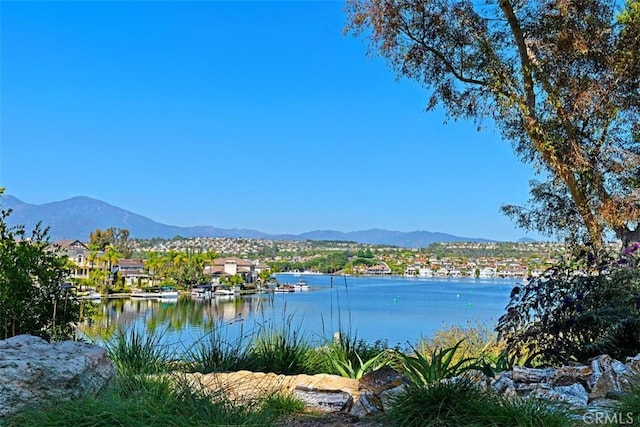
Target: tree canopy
[117, 238]
[560, 79]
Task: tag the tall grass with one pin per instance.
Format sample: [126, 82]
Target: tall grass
[217, 352]
[463, 404]
[157, 401]
[281, 349]
[136, 353]
[479, 340]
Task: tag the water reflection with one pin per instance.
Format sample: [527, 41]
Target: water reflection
[185, 313]
[398, 310]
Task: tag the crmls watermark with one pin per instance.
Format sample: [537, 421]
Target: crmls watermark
[602, 417]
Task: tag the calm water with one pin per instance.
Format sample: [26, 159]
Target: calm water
[399, 310]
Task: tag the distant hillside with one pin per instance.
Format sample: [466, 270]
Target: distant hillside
[75, 218]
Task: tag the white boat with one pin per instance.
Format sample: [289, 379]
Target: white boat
[301, 285]
[222, 292]
[167, 292]
[164, 292]
[284, 288]
[93, 296]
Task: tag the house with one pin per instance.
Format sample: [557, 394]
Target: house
[131, 271]
[78, 254]
[225, 267]
[378, 269]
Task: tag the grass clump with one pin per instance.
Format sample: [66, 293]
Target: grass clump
[279, 349]
[216, 352]
[137, 353]
[463, 404]
[143, 402]
[479, 340]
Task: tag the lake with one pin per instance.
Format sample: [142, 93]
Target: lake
[396, 309]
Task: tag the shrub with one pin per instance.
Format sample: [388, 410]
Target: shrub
[422, 370]
[32, 298]
[477, 340]
[463, 404]
[575, 311]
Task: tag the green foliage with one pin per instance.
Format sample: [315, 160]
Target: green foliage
[422, 370]
[216, 352]
[279, 405]
[463, 404]
[346, 368]
[135, 353]
[573, 312]
[477, 340]
[116, 238]
[350, 357]
[559, 80]
[32, 299]
[157, 401]
[281, 350]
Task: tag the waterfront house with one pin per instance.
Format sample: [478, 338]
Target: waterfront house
[78, 254]
[225, 267]
[132, 271]
[378, 269]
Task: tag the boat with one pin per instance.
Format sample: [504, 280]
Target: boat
[163, 292]
[284, 288]
[167, 292]
[93, 296]
[301, 285]
[223, 292]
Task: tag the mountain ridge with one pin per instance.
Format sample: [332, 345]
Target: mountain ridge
[78, 216]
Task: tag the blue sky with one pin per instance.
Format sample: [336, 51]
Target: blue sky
[257, 115]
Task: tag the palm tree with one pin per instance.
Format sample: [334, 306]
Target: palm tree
[111, 257]
[154, 262]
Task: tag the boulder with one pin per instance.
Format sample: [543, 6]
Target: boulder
[33, 370]
[521, 374]
[324, 400]
[323, 392]
[573, 395]
[606, 377]
[378, 389]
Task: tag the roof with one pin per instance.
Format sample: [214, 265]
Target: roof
[126, 262]
[232, 260]
[69, 244]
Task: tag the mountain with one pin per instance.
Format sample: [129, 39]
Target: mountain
[77, 217]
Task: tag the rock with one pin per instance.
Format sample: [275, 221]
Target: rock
[377, 388]
[321, 391]
[567, 375]
[503, 384]
[324, 400]
[633, 364]
[381, 379]
[367, 404]
[524, 375]
[388, 397]
[33, 370]
[605, 376]
[574, 395]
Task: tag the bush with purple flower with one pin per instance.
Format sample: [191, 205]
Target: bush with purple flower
[576, 310]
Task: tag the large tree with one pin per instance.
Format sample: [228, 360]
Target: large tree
[559, 78]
